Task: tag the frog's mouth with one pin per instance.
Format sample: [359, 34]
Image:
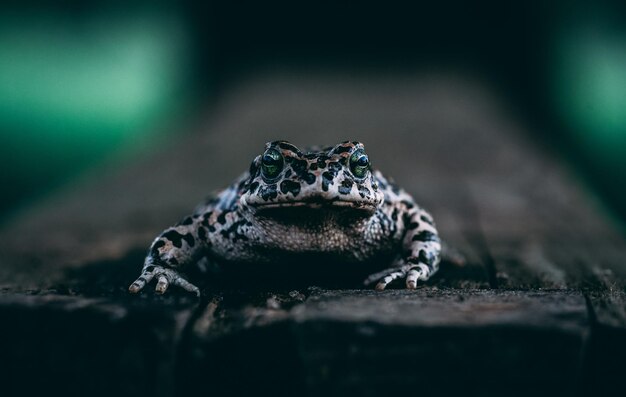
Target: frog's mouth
[320, 204]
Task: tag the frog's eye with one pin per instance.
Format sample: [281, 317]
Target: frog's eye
[359, 163]
[271, 163]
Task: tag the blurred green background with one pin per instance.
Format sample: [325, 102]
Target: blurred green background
[82, 82]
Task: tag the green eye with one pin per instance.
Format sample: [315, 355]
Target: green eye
[271, 163]
[359, 163]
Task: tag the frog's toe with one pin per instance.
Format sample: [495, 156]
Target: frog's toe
[411, 279]
[141, 282]
[419, 272]
[382, 284]
[162, 284]
[165, 277]
[186, 285]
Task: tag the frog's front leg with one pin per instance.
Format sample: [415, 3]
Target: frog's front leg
[176, 248]
[421, 248]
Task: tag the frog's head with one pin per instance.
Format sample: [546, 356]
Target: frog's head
[334, 177]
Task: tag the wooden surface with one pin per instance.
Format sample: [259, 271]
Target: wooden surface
[538, 309]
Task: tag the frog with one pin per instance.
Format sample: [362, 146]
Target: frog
[326, 203]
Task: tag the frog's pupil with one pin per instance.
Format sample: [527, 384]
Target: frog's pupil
[269, 160]
[362, 161]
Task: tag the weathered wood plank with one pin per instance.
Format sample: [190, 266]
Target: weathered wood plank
[521, 221]
[442, 342]
[604, 359]
[53, 344]
[431, 341]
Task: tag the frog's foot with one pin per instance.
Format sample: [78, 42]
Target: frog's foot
[165, 277]
[412, 273]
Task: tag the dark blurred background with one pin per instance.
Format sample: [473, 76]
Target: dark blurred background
[87, 84]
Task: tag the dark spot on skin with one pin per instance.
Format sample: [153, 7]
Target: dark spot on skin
[394, 188]
[327, 179]
[413, 225]
[343, 161]
[310, 156]
[355, 143]
[342, 149]
[408, 204]
[346, 187]
[234, 233]
[221, 218]
[290, 186]
[334, 166]
[157, 245]
[174, 237]
[426, 219]
[149, 269]
[173, 261]
[189, 239]
[202, 234]
[187, 221]
[288, 173]
[427, 258]
[425, 236]
[177, 238]
[299, 166]
[211, 228]
[394, 214]
[206, 216]
[309, 178]
[364, 191]
[253, 187]
[321, 161]
[268, 192]
[313, 166]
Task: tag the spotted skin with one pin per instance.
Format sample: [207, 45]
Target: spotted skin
[322, 201]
